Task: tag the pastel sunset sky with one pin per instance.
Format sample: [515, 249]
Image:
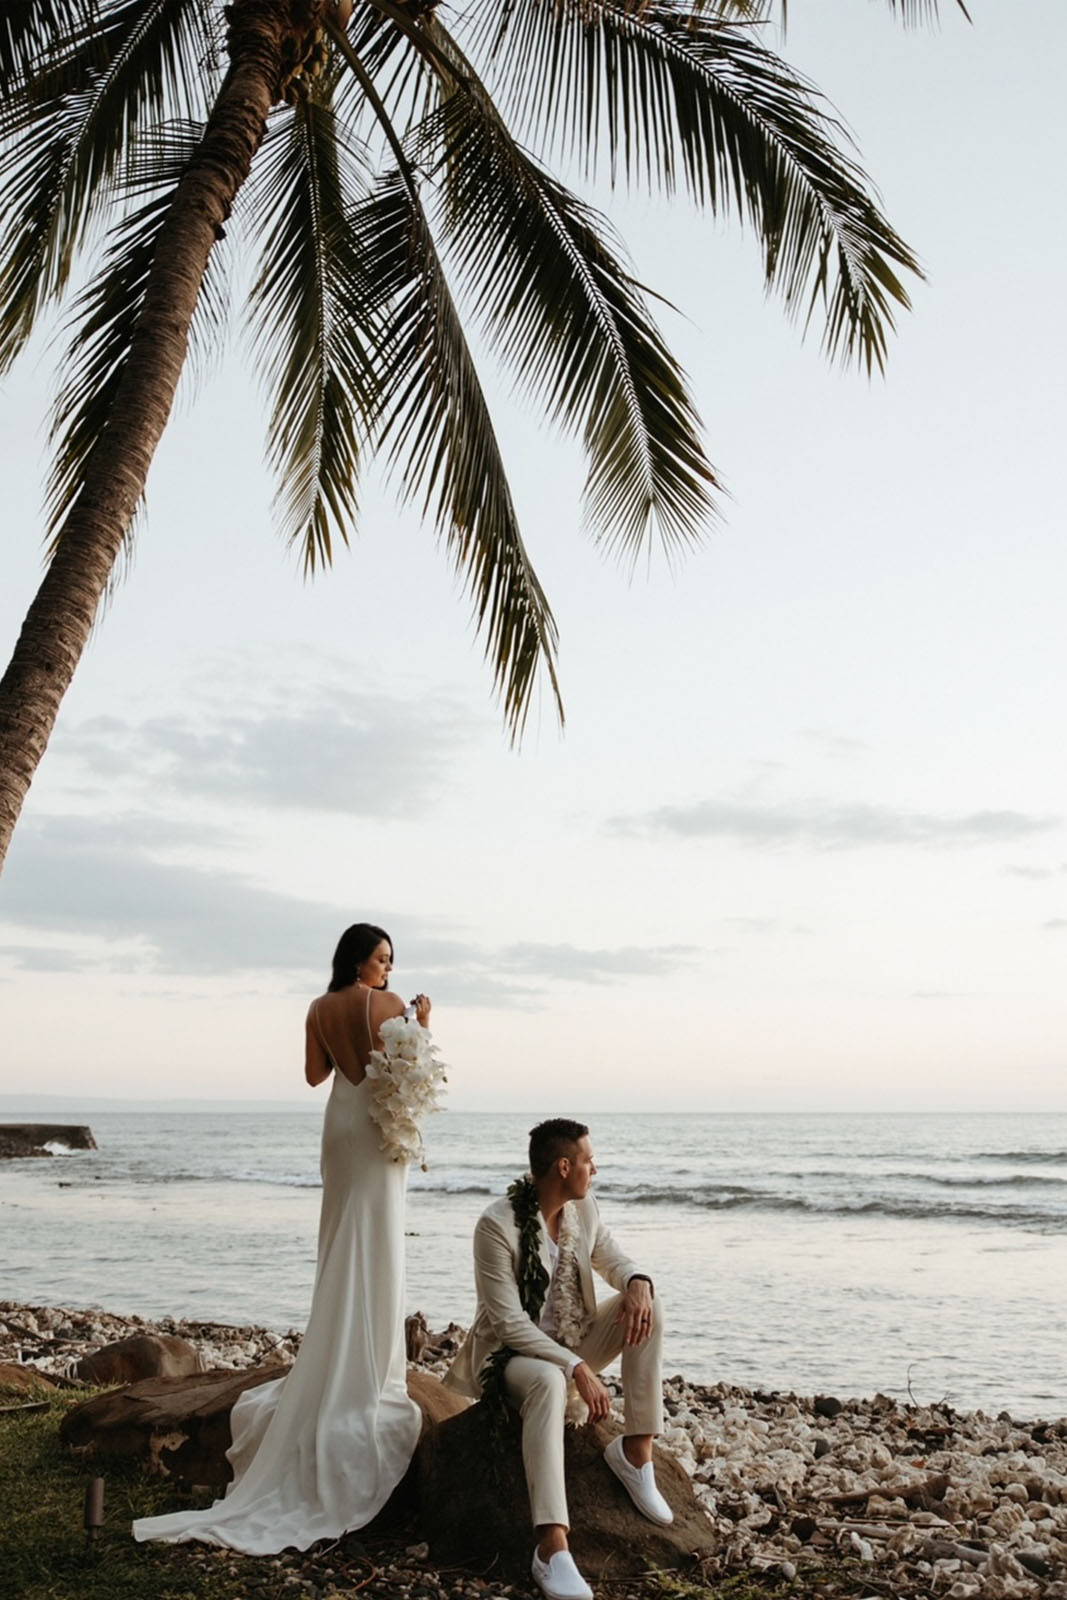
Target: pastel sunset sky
[803, 842]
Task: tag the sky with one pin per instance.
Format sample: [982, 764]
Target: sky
[802, 844]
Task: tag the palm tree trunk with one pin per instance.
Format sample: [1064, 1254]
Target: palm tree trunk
[265, 38]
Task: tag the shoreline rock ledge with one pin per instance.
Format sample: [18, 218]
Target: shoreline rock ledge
[19, 1139]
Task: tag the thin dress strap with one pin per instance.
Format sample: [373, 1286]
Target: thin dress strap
[322, 1037]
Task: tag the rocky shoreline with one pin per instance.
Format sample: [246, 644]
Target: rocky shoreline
[19, 1140]
[866, 1497]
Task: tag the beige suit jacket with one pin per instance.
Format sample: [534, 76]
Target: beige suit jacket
[499, 1318]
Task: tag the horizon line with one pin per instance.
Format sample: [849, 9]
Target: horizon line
[9, 1103]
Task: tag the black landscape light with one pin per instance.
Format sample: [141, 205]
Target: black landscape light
[94, 1508]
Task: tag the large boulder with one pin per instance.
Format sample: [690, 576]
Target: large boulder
[475, 1511]
[180, 1427]
[13, 1375]
[436, 1403]
[142, 1355]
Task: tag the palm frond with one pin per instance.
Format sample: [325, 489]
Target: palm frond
[440, 441]
[435, 424]
[102, 318]
[31, 29]
[403, 79]
[738, 10]
[678, 96]
[68, 134]
[914, 13]
[571, 321]
[312, 353]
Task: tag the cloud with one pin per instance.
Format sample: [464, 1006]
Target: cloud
[829, 826]
[837, 746]
[765, 925]
[42, 958]
[1055, 924]
[110, 880]
[1038, 874]
[453, 987]
[574, 965]
[106, 879]
[320, 748]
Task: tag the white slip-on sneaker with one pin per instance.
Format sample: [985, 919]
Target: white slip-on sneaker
[559, 1578]
[639, 1483]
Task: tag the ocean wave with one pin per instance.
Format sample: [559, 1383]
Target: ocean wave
[1056, 1157]
[1018, 1180]
[735, 1197]
[711, 1194]
[56, 1147]
[283, 1180]
[920, 1196]
[456, 1188]
[311, 1180]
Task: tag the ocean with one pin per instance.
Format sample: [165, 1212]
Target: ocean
[923, 1256]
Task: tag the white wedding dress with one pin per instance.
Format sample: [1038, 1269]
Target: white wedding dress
[319, 1451]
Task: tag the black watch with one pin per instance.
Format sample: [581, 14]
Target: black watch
[644, 1279]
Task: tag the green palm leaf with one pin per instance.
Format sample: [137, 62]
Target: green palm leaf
[440, 439]
[103, 316]
[571, 320]
[313, 355]
[676, 94]
[916, 12]
[67, 135]
[400, 74]
[30, 30]
[911, 12]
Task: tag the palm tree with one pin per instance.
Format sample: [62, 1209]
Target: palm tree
[381, 158]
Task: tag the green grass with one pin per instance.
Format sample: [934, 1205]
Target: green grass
[43, 1552]
[44, 1556]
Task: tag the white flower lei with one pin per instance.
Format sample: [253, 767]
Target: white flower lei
[406, 1076]
[565, 1306]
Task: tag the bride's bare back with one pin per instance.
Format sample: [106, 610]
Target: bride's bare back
[342, 1030]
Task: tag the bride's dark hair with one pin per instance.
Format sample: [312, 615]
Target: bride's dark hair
[354, 946]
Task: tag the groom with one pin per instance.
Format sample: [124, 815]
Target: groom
[538, 1324]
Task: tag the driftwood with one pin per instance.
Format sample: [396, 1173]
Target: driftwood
[179, 1427]
[951, 1550]
[465, 1489]
[866, 1530]
[934, 1549]
[919, 1495]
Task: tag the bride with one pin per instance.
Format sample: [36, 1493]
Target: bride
[318, 1451]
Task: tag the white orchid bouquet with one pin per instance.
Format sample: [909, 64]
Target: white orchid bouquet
[406, 1078]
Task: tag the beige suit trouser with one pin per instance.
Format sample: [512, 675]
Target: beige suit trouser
[538, 1390]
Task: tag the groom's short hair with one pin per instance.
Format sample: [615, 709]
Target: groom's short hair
[552, 1139]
